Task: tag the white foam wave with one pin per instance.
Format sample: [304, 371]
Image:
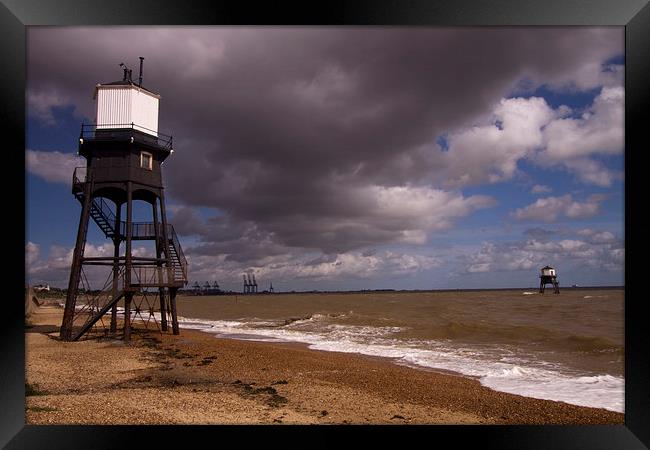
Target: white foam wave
[495, 368]
[599, 391]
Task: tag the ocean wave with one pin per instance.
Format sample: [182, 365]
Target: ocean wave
[589, 344]
[477, 332]
[494, 366]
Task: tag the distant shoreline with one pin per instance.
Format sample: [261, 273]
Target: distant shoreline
[414, 291]
[359, 291]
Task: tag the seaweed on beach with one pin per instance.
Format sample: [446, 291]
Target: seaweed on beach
[176, 353]
[268, 390]
[274, 400]
[41, 409]
[31, 390]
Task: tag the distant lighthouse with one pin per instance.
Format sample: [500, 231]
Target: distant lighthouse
[548, 276]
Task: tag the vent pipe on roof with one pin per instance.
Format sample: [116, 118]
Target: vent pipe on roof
[140, 79]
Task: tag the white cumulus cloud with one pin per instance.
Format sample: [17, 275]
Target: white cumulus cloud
[529, 129]
[600, 129]
[606, 252]
[287, 267]
[550, 208]
[55, 167]
[423, 209]
[32, 253]
[40, 104]
[541, 189]
[489, 153]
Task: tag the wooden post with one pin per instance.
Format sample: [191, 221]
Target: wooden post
[172, 300]
[75, 271]
[127, 257]
[163, 312]
[116, 264]
[127, 316]
[172, 291]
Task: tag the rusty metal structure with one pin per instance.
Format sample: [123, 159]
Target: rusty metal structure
[123, 165]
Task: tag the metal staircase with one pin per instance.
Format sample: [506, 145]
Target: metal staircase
[101, 214]
[179, 263]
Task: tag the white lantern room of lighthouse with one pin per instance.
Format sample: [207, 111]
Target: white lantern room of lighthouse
[548, 271]
[126, 106]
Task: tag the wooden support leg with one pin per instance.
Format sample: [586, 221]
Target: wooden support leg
[163, 311]
[172, 300]
[114, 318]
[75, 271]
[127, 316]
[127, 261]
[159, 251]
[117, 239]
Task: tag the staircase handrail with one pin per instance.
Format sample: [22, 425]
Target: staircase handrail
[103, 207]
[179, 250]
[82, 174]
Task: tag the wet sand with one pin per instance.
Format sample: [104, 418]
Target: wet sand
[196, 378]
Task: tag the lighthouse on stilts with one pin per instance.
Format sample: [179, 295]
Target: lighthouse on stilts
[124, 153]
[548, 276]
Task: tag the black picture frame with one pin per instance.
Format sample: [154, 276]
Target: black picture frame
[16, 15]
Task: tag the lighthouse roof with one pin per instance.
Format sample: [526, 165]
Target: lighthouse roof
[121, 83]
[546, 267]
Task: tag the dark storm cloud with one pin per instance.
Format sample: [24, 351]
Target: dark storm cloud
[187, 221]
[323, 259]
[288, 131]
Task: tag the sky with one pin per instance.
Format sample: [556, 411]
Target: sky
[347, 158]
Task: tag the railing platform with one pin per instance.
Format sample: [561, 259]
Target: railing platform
[124, 132]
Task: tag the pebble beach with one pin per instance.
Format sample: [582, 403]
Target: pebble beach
[196, 378]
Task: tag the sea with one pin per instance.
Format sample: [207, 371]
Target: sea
[567, 347]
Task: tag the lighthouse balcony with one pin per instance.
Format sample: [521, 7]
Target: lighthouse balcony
[133, 133]
[79, 177]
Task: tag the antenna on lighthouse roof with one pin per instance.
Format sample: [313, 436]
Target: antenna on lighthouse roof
[126, 71]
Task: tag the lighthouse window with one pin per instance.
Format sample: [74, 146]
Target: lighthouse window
[146, 160]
